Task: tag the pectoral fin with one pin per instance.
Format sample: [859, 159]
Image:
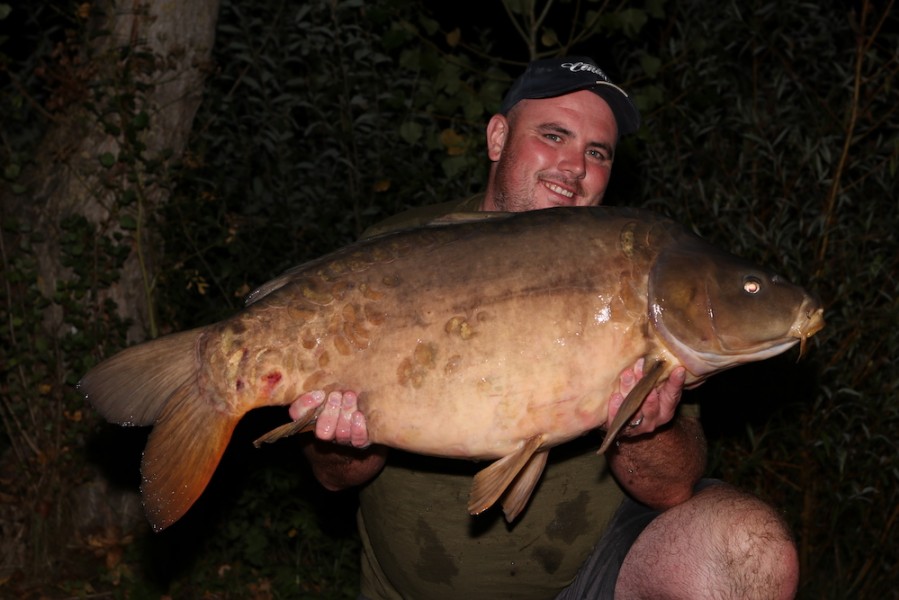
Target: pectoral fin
[632, 403]
[305, 422]
[491, 483]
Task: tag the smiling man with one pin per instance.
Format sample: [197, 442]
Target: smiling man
[632, 524]
[543, 151]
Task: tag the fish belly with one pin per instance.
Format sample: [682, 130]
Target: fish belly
[478, 399]
[476, 383]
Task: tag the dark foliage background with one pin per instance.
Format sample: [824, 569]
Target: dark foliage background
[770, 127]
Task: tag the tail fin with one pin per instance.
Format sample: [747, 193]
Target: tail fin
[182, 453]
[155, 383]
[132, 387]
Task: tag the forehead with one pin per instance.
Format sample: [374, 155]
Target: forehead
[581, 111]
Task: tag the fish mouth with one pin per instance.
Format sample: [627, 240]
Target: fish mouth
[809, 321]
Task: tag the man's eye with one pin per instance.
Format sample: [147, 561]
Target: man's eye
[597, 154]
[553, 137]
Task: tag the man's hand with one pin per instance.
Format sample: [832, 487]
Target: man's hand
[660, 469]
[340, 420]
[658, 408]
[340, 454]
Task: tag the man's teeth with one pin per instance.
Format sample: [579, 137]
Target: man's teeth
[559, 190]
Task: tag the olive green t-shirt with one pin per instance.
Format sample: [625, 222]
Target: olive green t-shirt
[420, 542]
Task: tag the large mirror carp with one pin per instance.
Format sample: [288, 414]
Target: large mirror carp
[497, 336]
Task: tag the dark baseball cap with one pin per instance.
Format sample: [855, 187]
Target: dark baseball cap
[551, 77]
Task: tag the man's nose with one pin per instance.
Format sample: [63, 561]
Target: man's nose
[574, 163]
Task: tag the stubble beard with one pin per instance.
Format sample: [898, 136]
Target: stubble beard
[506, 196]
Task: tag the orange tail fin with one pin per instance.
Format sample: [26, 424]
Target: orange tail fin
[182, 453]
[155, 383]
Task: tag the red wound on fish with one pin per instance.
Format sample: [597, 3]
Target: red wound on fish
[271, 380]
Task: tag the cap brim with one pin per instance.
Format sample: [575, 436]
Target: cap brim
[626, 114]
[627, 117]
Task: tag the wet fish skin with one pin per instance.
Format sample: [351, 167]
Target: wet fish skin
[496, 337]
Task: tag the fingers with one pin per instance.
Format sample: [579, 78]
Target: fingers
[359, 431]
[670, 391]
[657, 409]
[638, 368]
[335, 420]
[629, 378]
[306, 401]
[339, 421]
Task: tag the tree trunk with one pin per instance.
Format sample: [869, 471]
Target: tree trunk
[80, 236]
[106, 155]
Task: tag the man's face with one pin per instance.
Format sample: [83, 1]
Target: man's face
[551, 152]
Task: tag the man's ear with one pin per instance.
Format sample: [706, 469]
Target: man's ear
[497, 132]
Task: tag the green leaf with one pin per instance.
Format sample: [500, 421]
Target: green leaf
[107, 159]
[431, 26]
[140, 121]
[518, 7]
[650, 64]
[633, 20]
[128, 222]
[410, 132]
[655, 9]
[12, 171]
[549, 38]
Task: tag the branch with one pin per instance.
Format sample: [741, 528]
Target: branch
[830, 207]
[517, 25]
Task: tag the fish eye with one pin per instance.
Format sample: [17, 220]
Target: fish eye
[752, 284]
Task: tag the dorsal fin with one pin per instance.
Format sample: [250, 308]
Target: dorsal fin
[468, 217]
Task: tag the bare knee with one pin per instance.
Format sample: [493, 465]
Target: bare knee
[756, 552]
[722, 543]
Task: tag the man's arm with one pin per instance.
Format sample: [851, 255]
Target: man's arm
[658, 468]
[340, 467]
[349, 462]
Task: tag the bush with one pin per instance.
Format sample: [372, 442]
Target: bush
[772, 130]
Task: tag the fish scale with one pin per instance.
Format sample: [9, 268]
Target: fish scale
[487, 336]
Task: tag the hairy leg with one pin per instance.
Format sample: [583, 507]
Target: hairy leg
[722, 543]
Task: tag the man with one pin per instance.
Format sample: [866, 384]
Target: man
[633, 524]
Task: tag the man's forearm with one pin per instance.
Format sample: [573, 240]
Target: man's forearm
[660, 469]
[339, 467]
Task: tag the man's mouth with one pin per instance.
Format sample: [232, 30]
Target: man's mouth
[558, 189]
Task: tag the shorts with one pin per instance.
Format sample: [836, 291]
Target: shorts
[597, 577]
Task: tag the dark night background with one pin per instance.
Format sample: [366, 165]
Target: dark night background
[129, 212]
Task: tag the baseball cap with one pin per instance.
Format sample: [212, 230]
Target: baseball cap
[551, 77]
